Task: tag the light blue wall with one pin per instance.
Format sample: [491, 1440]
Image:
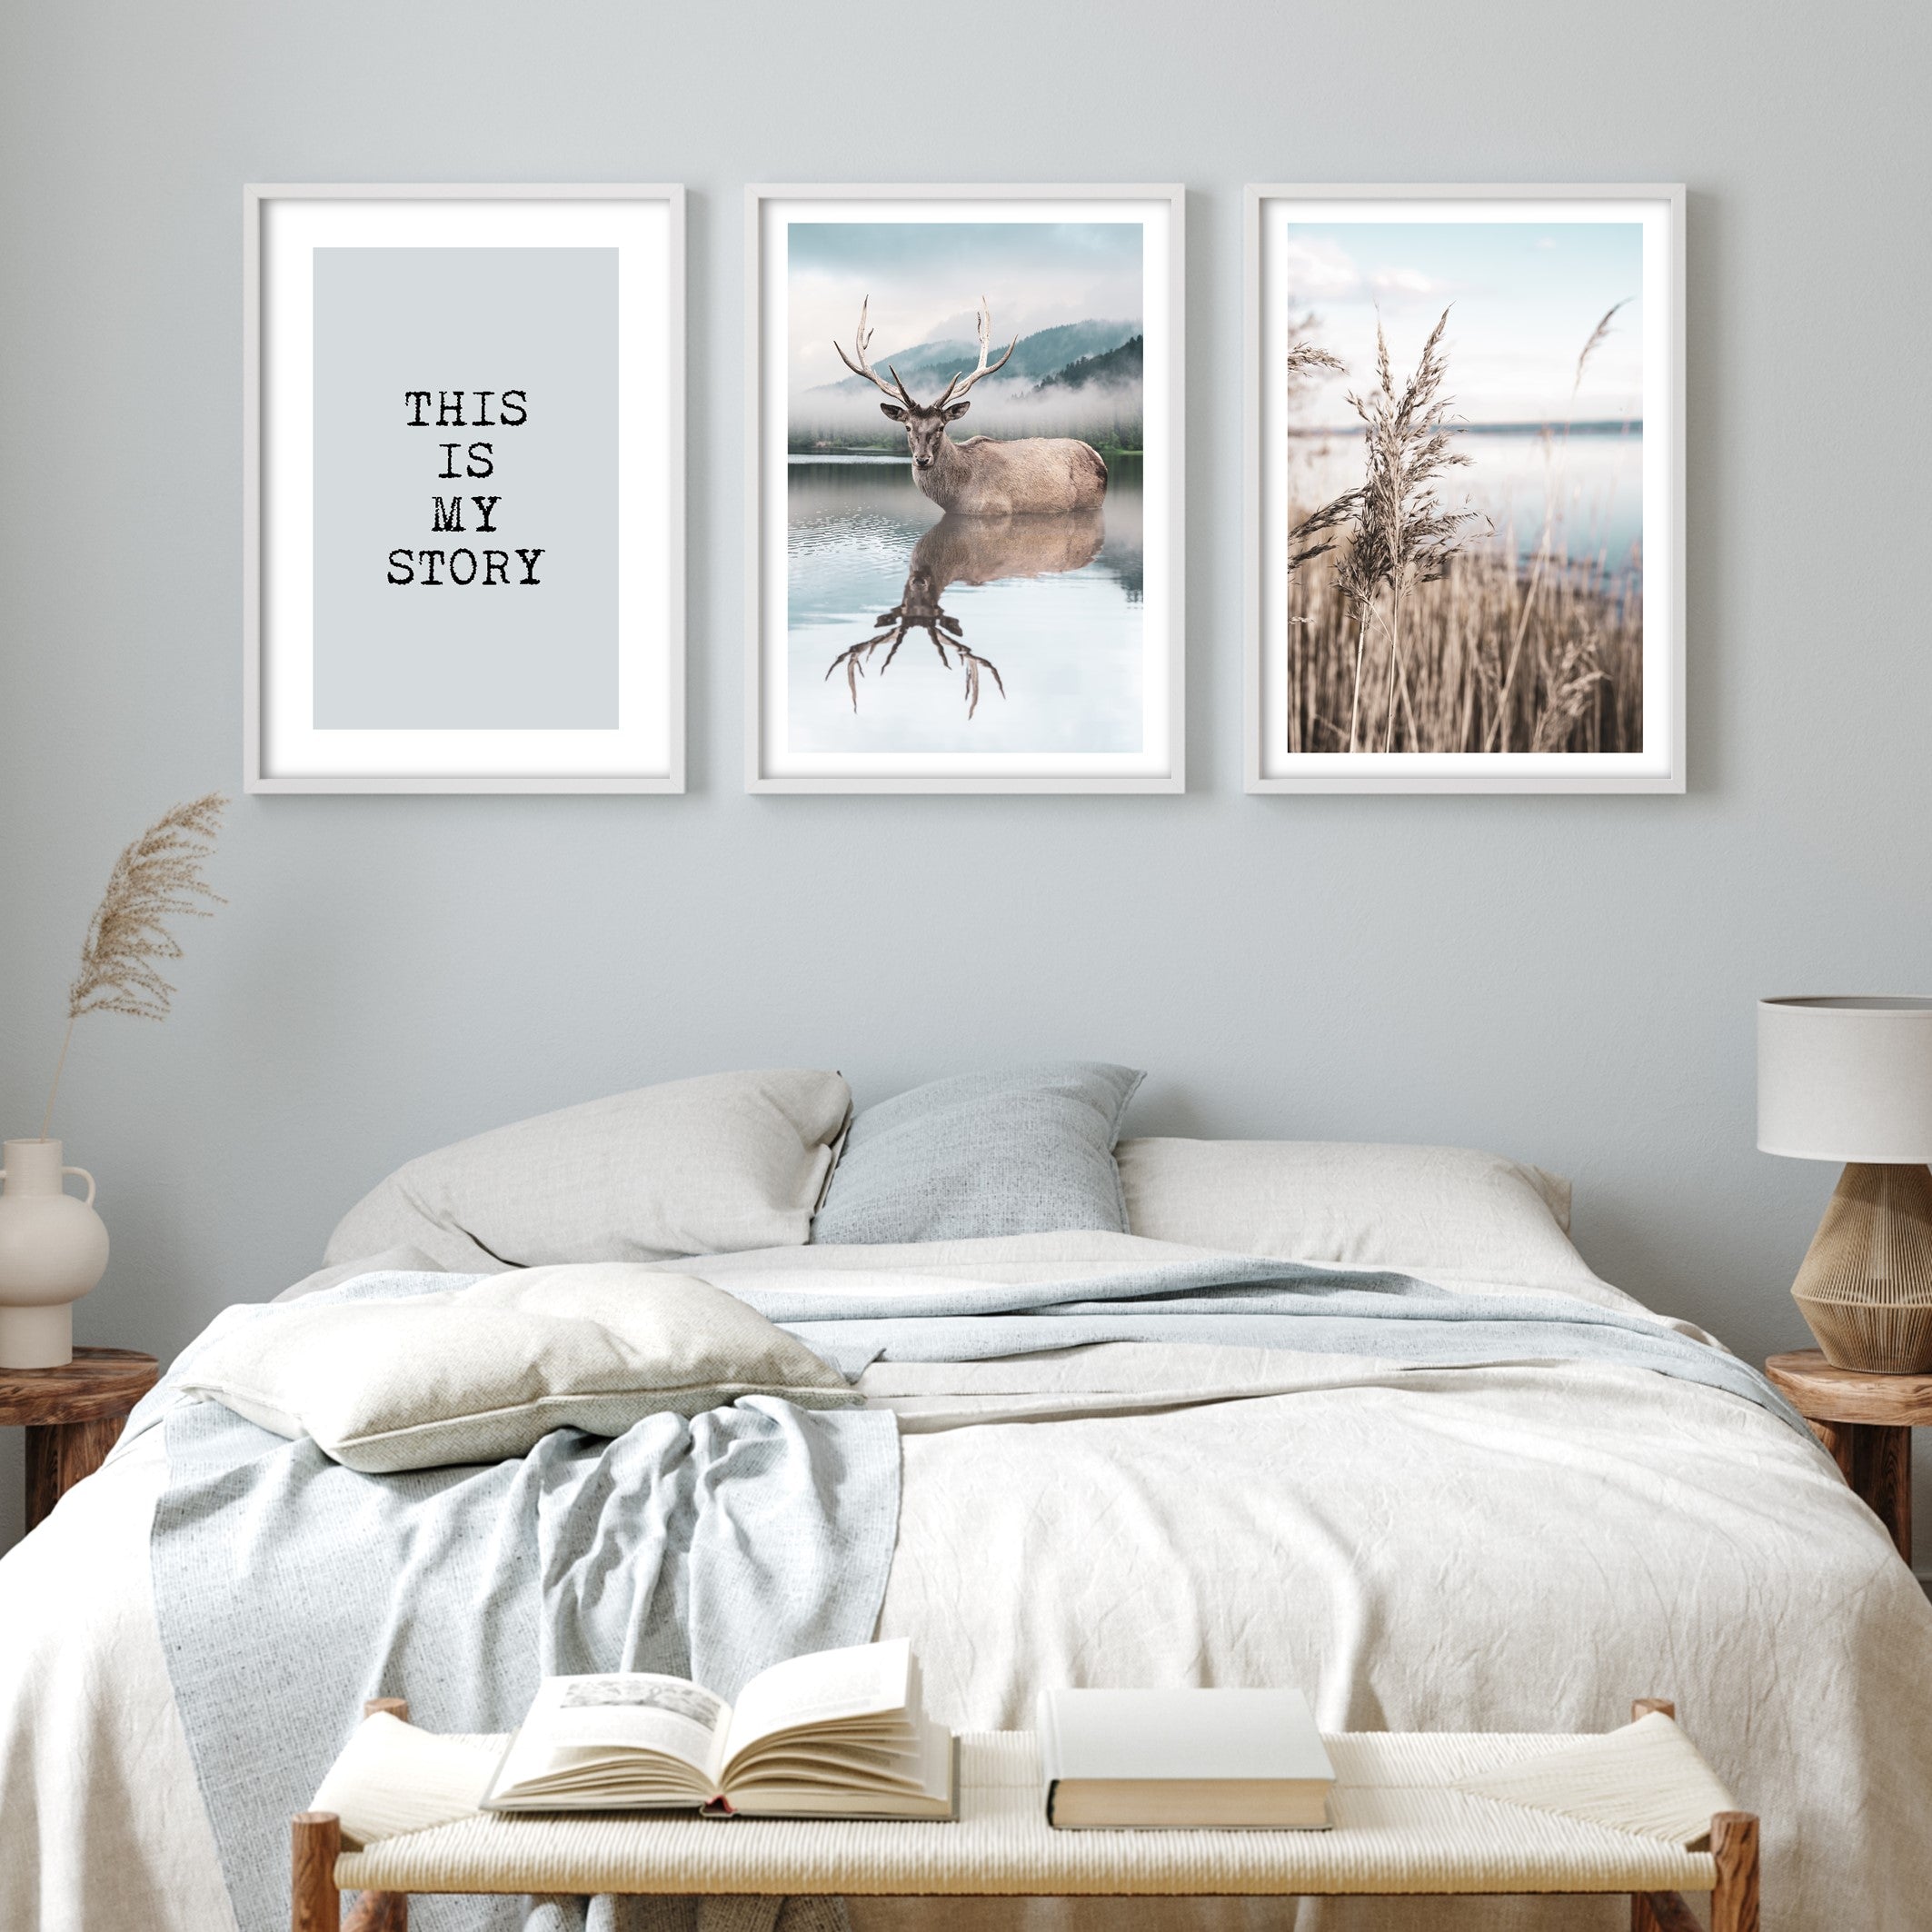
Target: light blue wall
[1568, 979]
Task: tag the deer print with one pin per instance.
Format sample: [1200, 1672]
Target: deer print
[961, 549]
[1028, 476]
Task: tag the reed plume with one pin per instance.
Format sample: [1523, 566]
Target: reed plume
[1400, 534]
[1306, 363]
[157, 878]
[1309, 362]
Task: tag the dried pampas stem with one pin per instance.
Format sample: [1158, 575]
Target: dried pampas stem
[155, 879]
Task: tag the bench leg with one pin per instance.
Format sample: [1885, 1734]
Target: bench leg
[1734, 1845]
[379, 1912]
[1661, 1912]
[1657, 1911]
[314, 1904]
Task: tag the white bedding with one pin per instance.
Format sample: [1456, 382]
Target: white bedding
[1524, 1546]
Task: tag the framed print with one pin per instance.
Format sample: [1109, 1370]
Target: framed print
[463, 451]
[1465, 497]
[964, 419]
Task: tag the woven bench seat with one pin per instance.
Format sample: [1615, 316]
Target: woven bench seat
[1399, 1828]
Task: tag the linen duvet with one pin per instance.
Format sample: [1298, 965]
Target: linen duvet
[1521, 1542]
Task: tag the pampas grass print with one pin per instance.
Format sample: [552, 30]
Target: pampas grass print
[156, 881]
[1407, 634]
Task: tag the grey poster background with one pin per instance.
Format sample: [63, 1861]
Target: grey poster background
[502, 657]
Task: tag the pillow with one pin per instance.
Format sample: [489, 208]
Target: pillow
[1025, 1152]
[701, 1165]
[479, 1373]
[1433, 1211]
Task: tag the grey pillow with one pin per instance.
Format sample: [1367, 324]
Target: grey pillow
[1028, 1151]
[705, 1165]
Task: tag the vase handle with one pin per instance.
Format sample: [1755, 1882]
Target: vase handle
[84, 1176]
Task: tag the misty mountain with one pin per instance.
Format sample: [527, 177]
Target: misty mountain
[925, 366]
[1122, 365]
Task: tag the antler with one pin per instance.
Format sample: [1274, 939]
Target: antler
[974, 665]
[892, 626]
[861, 342]
[955, 391]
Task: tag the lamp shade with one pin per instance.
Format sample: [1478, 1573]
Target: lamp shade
[1845, 1080]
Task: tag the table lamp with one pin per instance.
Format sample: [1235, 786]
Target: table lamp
[1850, 1080]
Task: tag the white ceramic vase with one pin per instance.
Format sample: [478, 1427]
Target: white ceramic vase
[52, 1249]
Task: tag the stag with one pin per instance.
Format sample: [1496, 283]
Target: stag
[1028, 476]
[959, 550]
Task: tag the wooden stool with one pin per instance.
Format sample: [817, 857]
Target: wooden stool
[1866, 1422]
[73, 1416]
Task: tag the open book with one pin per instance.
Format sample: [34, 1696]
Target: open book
[841, 1733]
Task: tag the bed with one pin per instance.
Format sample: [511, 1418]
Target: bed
[1524, 1539]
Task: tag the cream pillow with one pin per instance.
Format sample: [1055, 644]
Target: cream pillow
[1433, 1211]
[706, 1166]
[480, 1373]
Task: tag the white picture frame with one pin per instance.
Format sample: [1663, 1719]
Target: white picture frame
[324, 709]
[1298, 244]
[1157, 761]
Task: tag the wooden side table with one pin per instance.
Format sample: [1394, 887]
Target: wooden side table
[73, 1416]
[1866, 1420]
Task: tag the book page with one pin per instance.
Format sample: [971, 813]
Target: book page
[577, 1719]
[775, 1784]
[830, 1688]
[392, 1778]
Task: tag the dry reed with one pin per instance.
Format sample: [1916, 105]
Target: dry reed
[1578, 672]
[1405, 637]
[157, 878]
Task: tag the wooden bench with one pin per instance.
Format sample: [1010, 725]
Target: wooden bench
[1400, 1828]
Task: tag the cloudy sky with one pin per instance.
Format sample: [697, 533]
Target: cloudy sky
[1523, 297]
[925, 279]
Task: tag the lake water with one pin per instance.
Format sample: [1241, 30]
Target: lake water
[1597, 482]
[1043, 613]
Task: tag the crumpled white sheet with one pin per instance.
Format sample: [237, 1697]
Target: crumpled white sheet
[1503, 1548]
[1510, 1547]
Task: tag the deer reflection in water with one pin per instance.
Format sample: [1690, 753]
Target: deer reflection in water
[971, 550]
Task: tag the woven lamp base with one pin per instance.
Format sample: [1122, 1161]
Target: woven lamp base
[1866, 1286]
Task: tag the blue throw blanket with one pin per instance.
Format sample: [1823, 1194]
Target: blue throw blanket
[1240, 1302]
[287, 1589]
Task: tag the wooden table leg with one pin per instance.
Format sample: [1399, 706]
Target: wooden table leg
[60, 1453]
[1876, 1458]
[1881, 1472]
[1835, 1439]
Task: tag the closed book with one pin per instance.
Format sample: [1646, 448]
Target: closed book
[1149, 1760]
